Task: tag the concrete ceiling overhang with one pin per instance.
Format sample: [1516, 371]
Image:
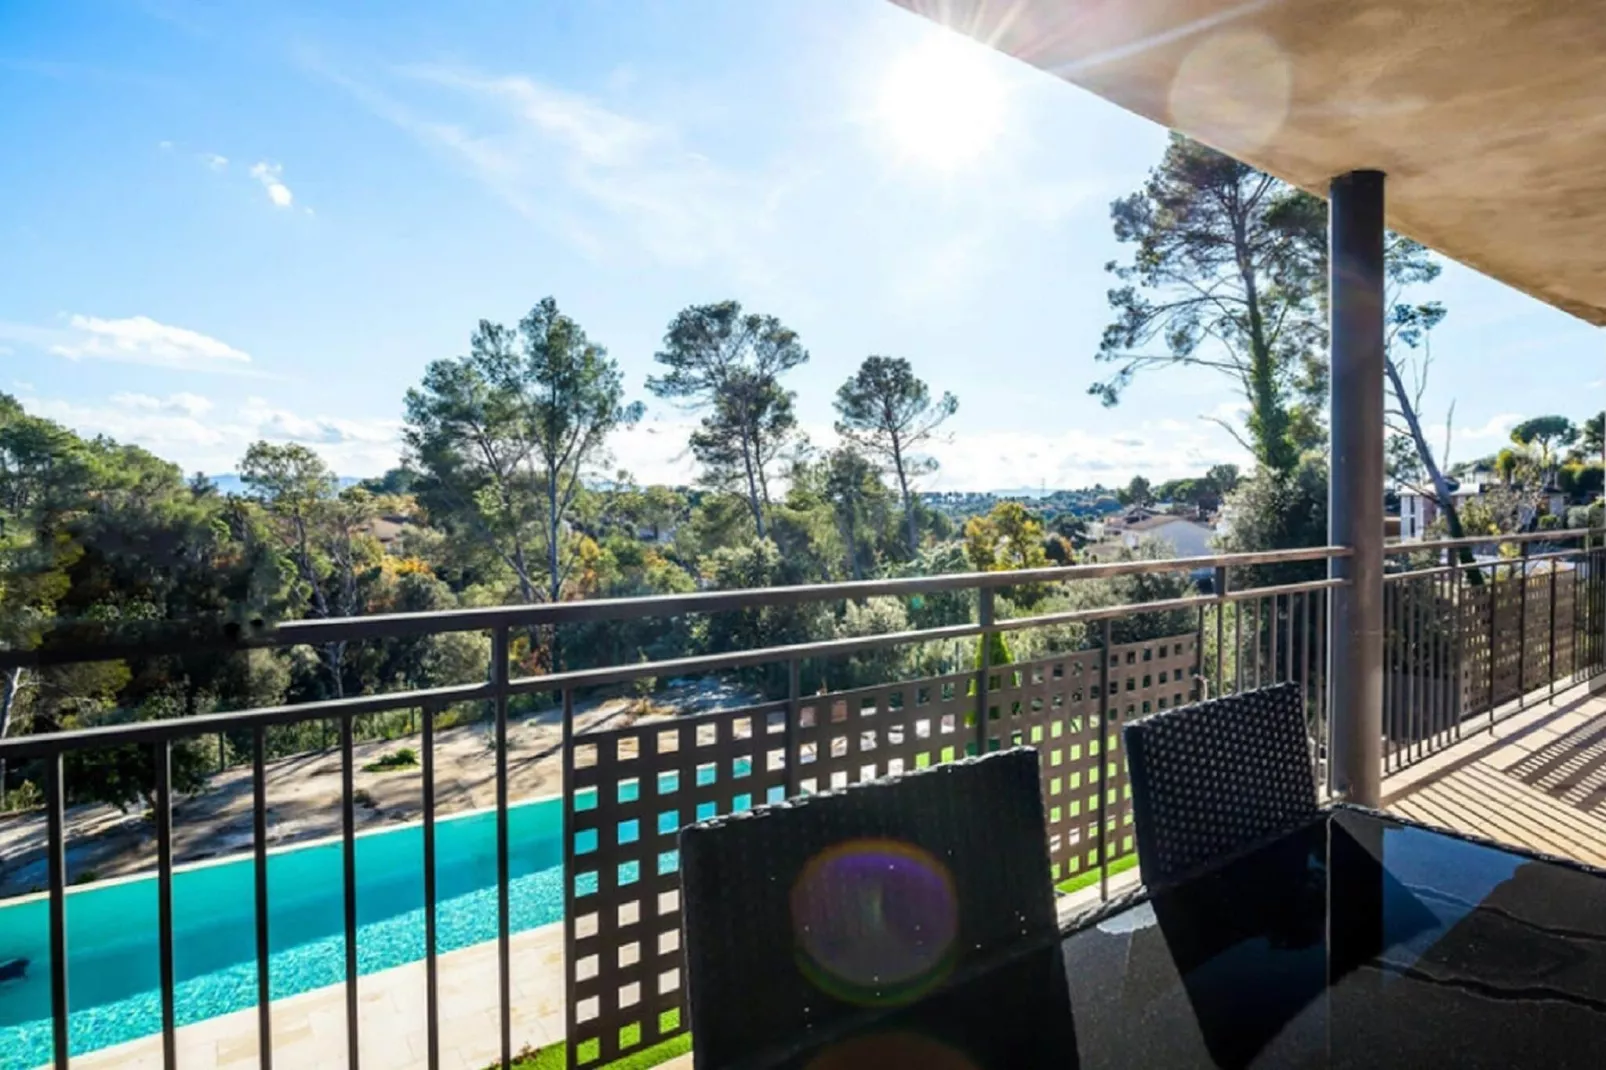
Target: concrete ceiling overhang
[1489, 116]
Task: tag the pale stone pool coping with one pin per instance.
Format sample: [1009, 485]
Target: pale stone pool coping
[309, 1030]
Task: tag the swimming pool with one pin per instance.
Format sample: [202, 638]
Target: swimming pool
[112, 933]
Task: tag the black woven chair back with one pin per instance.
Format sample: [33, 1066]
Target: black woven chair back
[1216, 776]
[807, 914]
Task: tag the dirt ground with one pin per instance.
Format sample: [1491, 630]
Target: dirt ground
[304, 795]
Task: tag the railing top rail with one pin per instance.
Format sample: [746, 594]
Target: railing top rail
[1478, 566]
[1400, 546]
[77, 643]
[48, 744]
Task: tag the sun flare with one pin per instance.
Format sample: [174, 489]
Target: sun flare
[941, 104]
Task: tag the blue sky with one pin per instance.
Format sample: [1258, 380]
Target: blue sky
[232, 221]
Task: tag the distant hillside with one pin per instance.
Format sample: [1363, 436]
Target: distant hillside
[229, 483]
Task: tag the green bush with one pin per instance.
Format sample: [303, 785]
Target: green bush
[25, 796]
[406, 758]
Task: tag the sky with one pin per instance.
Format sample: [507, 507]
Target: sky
[221, 222]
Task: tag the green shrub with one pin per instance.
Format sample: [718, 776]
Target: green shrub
[406, 758]
[25, 796]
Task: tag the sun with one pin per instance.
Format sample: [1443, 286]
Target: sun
[941, 104]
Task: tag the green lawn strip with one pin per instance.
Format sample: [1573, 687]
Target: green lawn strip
[1091, 877]
[552, 1056]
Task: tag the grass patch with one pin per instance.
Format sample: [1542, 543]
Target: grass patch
[406, 758]
[1091, 877]
[552, 1057]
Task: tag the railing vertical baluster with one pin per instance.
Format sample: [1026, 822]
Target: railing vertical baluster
[1321, 686]
[1494, 588]
[1255, 611]
[499, 676]
[1201, 687]
[1237, 647]
[259, 874]
[1403, 704]
[432, 1032]
[1304, 654]
[1441, 587]
[1393, 671]
[162, 753]
[1405, 697]
[1275, 620]
[984, 661]
[1288, 640]
[1419, 665]
[571, 941]
[1550, 645]
[348, 854]
[1221, 609]
[1460, 691]
[1105, 706]
[56, 834]
[794, 727]
[1522, 633]
[1391, 657]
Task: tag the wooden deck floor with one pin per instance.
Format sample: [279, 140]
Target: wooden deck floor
[1538, 780]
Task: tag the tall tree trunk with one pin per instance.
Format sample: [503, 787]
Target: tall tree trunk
[555, 579]
[1441, 488]
[851, 539]
[1270, 424]
[521, 566]
[908, 499]
[335, 656]
[749, 446]
[8, 704]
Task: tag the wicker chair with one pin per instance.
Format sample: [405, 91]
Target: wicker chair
[807, 915]
[1215, 776]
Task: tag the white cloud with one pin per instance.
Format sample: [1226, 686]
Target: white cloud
[655, 451]
[1076, 458]
[215, 162]
[200, 435]
[608, 182]
[1497, 427]
[185, 403]
[269, 175]
[164, 145]
[142, 340]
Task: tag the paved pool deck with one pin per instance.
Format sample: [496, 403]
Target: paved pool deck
[309, 1030]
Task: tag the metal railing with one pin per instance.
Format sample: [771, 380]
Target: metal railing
[1469, 642]
[1068, 703]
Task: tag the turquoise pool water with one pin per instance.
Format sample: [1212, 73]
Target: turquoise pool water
[111, 928]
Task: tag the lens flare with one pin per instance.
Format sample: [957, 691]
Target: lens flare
[1233, 89]
[890, 1051]
[876, 921]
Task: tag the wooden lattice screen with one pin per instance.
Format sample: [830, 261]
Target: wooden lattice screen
[1518, 632]
[630, 790]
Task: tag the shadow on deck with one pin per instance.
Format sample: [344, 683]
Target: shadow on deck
[1537, 780]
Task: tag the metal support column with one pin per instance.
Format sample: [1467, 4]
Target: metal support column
[1355, 494]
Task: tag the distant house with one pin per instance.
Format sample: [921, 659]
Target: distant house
[1190, 537]
[660, 534]
[1419, 511]
[387, 529]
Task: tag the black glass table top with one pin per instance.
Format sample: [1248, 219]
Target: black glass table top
[1357, 940]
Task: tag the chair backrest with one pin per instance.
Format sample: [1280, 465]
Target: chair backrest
[802, 915]
[1215, 776]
